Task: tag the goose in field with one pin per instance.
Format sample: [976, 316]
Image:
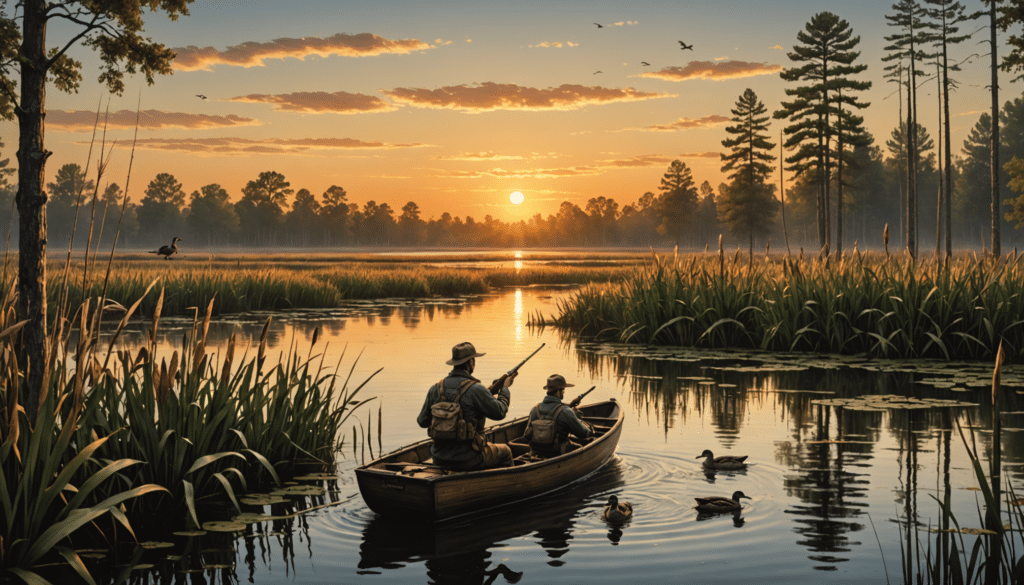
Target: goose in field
[720, 504]
[723, 462]
[616, 512]
[167, 251]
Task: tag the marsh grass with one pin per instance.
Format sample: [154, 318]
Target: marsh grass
[873, 304]
[997, 555]
[292, 284]
[113, 427]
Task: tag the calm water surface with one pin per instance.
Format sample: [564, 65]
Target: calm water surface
[814, 502]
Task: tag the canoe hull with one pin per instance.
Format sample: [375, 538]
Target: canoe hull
[424, 492]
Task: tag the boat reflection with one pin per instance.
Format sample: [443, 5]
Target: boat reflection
[464, 551]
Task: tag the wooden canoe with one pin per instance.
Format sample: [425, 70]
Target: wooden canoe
[406, 483]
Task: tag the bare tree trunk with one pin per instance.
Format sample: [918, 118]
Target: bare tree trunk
[948, 167]
[31, 201]
[910, 135]
[995, 134]
[938, 202]
[782, 193]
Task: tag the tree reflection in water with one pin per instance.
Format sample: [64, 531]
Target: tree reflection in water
[461, 550]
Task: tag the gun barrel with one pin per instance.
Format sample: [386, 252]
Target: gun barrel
[516, 369]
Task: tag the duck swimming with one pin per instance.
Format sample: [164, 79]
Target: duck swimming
[723, 462]
[720, 504]
[616, 512]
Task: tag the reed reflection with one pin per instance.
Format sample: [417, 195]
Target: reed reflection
[464, 551]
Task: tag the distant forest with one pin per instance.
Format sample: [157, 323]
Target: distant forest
[270, 213]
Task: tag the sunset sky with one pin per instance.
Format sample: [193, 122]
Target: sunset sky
[455, 105]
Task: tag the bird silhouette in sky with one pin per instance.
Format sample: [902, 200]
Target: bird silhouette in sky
[199, 95]
[685, 46]
[645, 63]
[599, 25]
[596, 72]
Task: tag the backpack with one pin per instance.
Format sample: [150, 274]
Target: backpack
[446, 422]
[543, 430]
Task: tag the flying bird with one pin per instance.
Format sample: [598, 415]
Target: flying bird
[685, 46]
[199, 95]
[645, 63]
[599, 25]
[596, 72]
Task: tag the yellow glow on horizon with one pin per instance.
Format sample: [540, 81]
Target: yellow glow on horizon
[516, 198]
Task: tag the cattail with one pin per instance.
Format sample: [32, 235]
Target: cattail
[885, 239]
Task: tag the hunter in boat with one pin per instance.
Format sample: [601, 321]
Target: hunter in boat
[415, 483]
[552, 421]
[454, 413]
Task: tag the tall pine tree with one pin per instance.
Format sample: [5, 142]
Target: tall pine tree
[906, 46]
[748, 205]
[827, 59]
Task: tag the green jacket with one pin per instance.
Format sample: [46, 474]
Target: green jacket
[478, 404]
[567, 422]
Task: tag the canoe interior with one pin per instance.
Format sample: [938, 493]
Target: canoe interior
[406, 482]
[602, 415]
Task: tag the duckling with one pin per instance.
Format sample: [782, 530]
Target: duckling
[616, 512]
[720, 504]
[723, 462]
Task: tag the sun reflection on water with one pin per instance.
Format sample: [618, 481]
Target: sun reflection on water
[519, 315]
[519, 266]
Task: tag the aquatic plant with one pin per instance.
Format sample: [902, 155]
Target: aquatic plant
[876, 305]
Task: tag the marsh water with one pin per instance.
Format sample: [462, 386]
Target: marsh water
[820, 509]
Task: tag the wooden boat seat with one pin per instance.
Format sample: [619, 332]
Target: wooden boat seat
[600, 420]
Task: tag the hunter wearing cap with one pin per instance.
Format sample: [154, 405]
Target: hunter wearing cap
[455, 416]
[564, 418]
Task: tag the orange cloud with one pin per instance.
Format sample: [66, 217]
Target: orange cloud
[713, 70]
[599, 167]
[490, 96]
[320, 102]
[500, 173]
[777, 48]
[553, 44]
[84, 121]
[252, 54]
[689, 123]
[491, 155]
[246, 146]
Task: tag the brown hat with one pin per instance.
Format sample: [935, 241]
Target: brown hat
[462, 353]
[557, 382]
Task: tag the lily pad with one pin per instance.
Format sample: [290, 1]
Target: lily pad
[224, 526]
[189, 533]
[152, 544]
[262, 499]
[251, 518]
[299, 491]
[142, 567]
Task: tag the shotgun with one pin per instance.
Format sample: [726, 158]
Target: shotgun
[576, 401]
[497, 384]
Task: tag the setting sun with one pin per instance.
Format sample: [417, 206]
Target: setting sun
[516, 198]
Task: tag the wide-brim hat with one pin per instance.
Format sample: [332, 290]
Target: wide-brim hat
[557, 382]
[462, 353]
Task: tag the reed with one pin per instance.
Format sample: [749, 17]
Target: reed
[291, 284]
[873, 304]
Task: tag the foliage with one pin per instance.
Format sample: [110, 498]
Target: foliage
[825, 60]
[748, 206]
[678, 201]
[863, 304]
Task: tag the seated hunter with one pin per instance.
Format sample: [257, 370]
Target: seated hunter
[552, 421]
[454, 413]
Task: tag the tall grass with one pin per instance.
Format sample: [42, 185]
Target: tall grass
[112, 427]
[879, 305]
[289, 284]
